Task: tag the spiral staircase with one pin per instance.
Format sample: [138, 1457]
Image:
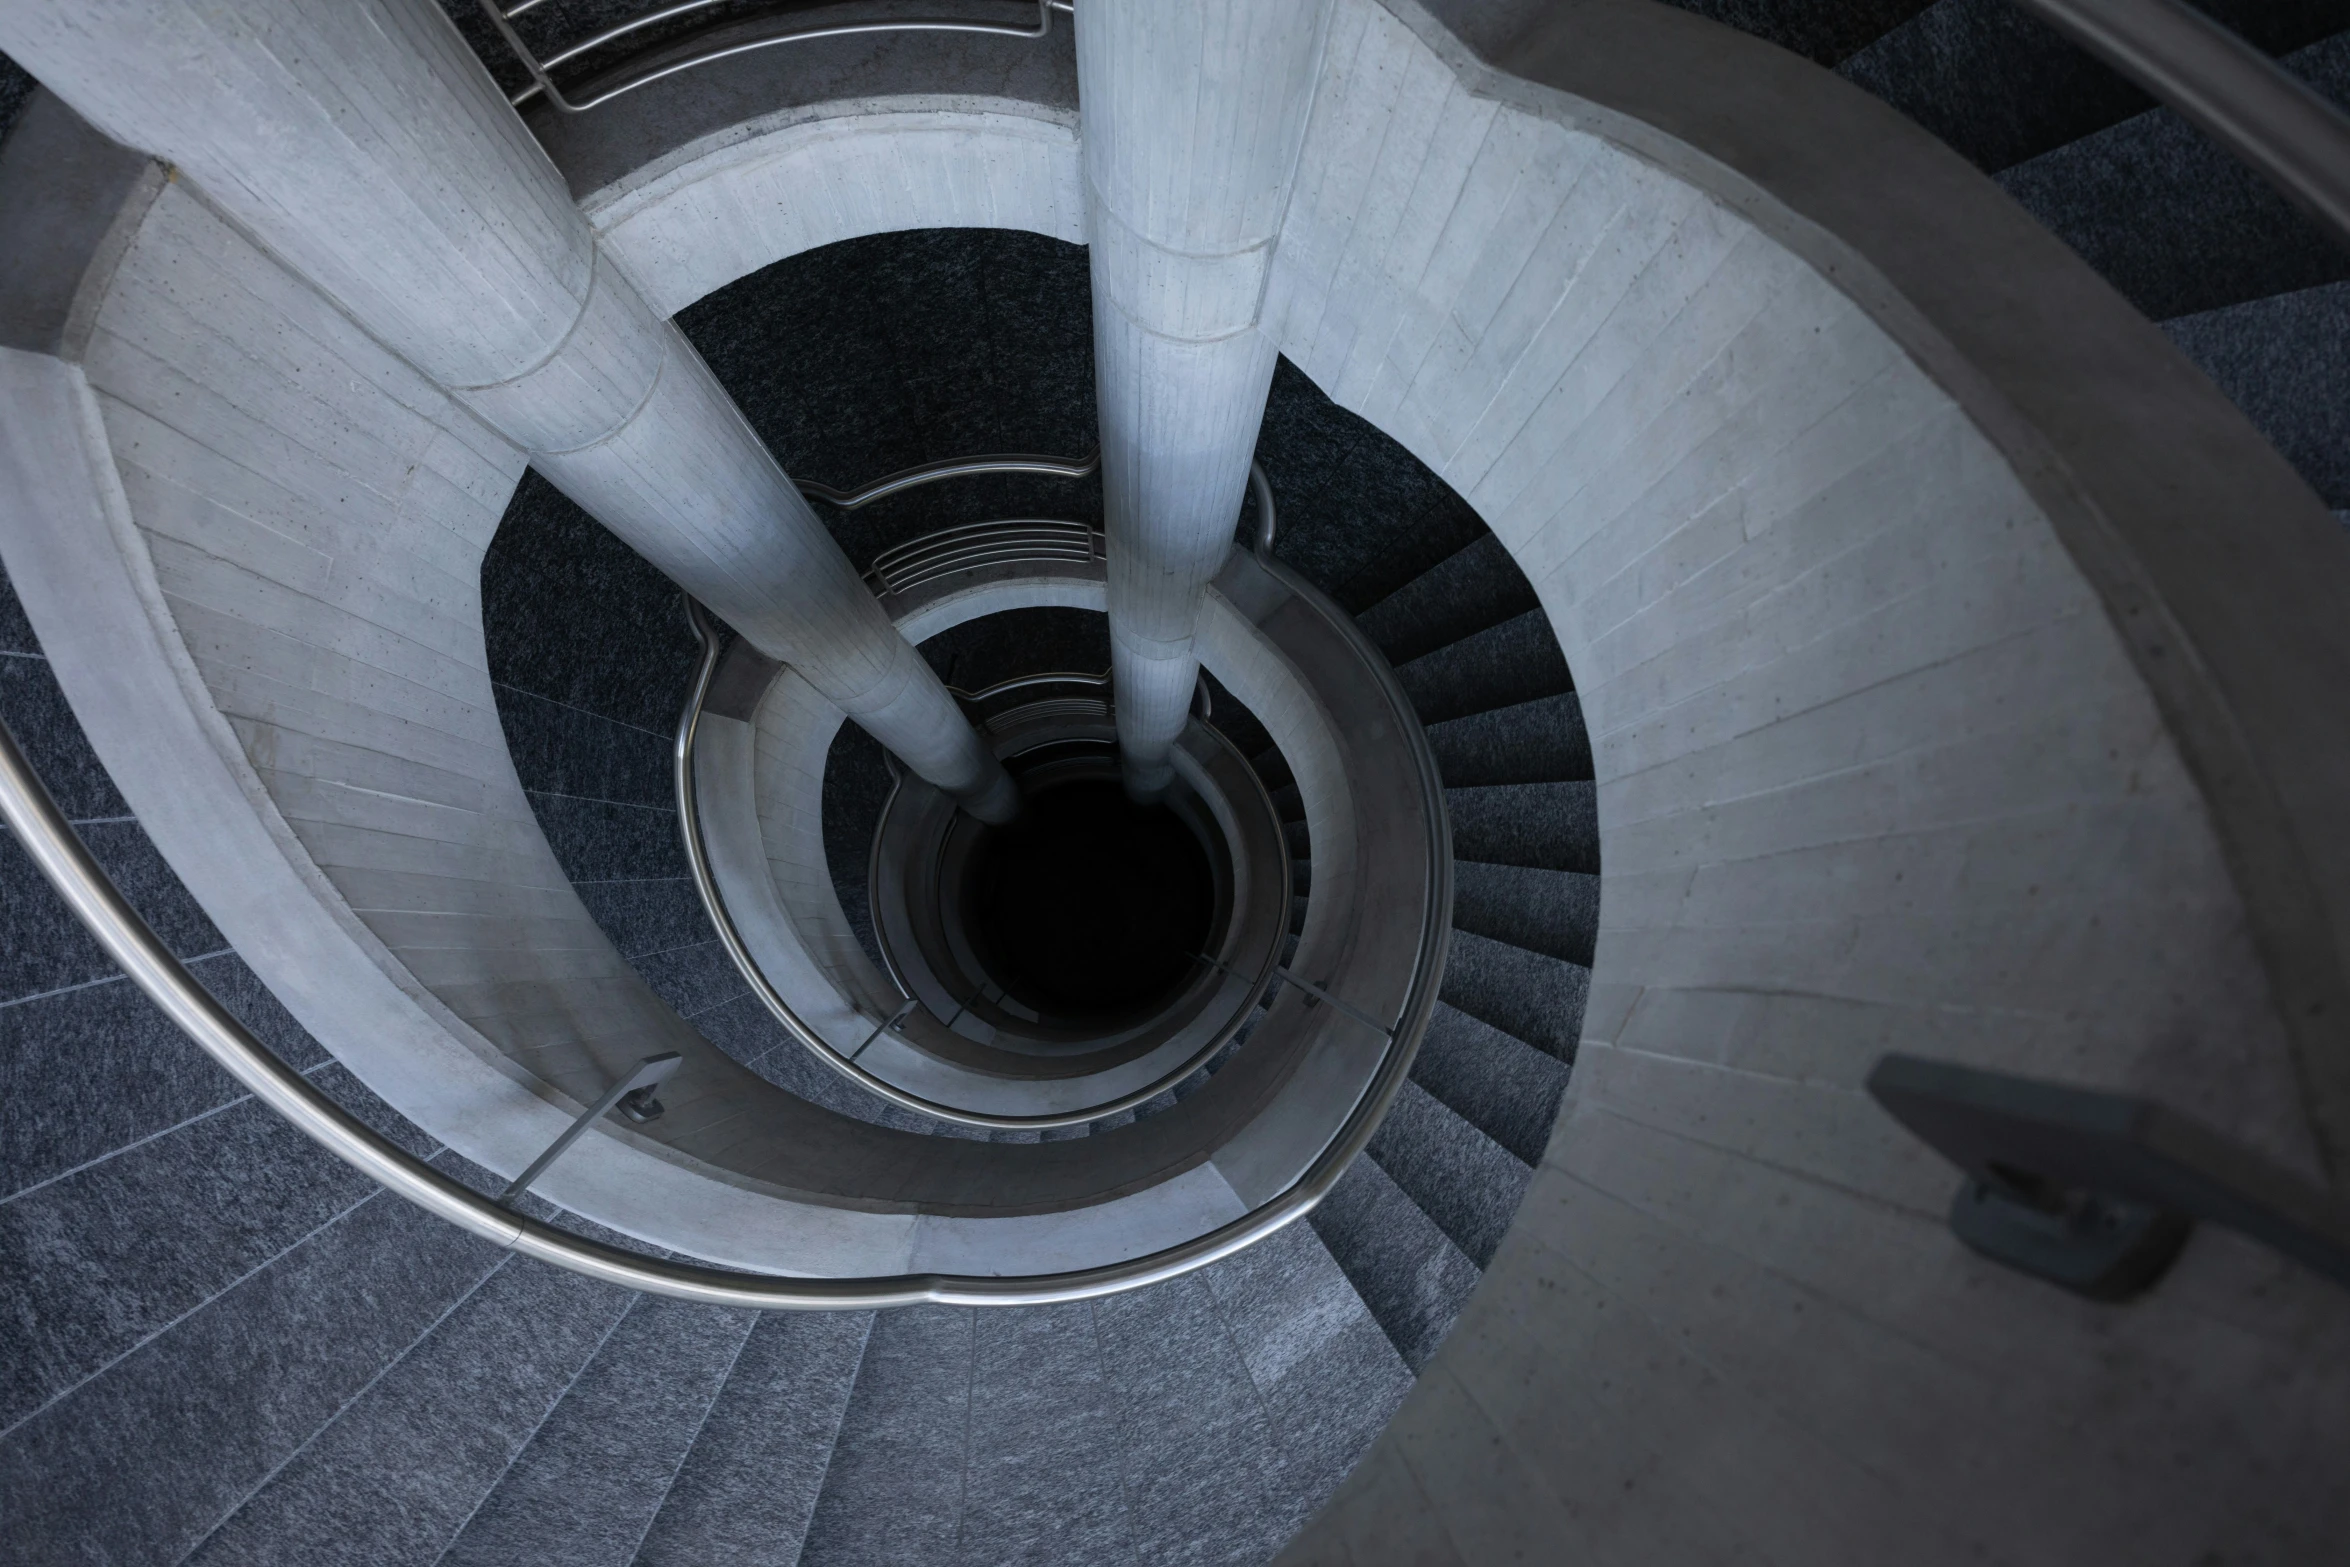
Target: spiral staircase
[1728, 1319]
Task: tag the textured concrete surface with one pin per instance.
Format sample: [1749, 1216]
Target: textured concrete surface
[1714, 1132]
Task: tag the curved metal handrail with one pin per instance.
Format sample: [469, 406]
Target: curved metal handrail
[126, 938]
[935, 555]
[953, 468]
[845, 1063]
[542, 84]
[2263, 114]
[49, 839]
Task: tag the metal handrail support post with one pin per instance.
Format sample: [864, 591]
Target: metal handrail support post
[1316, 992]
[650, 1074]
[2264, 116]
[2096, 1191]
[905, 1011]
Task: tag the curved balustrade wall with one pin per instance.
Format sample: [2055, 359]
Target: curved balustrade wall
[1876, 766]
[1876, 770]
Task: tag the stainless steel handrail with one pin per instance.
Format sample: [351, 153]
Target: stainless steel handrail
[730, 937]
[542, 84]
[934, 555]
[49, 839]
[2263, 114]
[953, 468]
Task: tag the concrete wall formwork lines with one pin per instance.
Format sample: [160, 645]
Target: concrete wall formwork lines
[1859, 719]
[1197, 111]
[367, 148]
[1876, 772]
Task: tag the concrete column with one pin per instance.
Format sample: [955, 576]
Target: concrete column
[362, 142]
[1194, 111]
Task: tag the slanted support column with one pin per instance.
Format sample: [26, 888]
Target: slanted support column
[1194, 111]
[362, 142]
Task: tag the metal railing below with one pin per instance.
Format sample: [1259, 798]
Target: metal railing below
[49, 839]
[720, 40]
[780, 1008]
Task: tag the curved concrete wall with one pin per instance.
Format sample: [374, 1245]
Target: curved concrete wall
[1876, 771]
[260, 543]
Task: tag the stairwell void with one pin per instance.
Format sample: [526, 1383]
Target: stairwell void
[1920, 699]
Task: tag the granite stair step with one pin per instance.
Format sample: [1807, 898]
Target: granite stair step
[1403, 1266]
[2226, 234]
[1555, 913]
[2285, 362]
[1531, 995]
[1541, 826]
[392, 1477]
[2000, 87]
[586, 1489]
[1497, 1082]
[1472, 591]
[749, 1482]
[1461, 1178]
[1513, 662]
[1541, 741]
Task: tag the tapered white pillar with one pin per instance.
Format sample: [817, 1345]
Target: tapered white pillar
[362, 142]
[1194, 111]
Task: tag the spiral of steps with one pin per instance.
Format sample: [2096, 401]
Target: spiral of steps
[224, 1346]
[1204, 1419]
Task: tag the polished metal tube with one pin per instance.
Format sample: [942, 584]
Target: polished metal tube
[2263, 114]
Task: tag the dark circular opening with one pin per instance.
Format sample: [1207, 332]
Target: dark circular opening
[1089, 904]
